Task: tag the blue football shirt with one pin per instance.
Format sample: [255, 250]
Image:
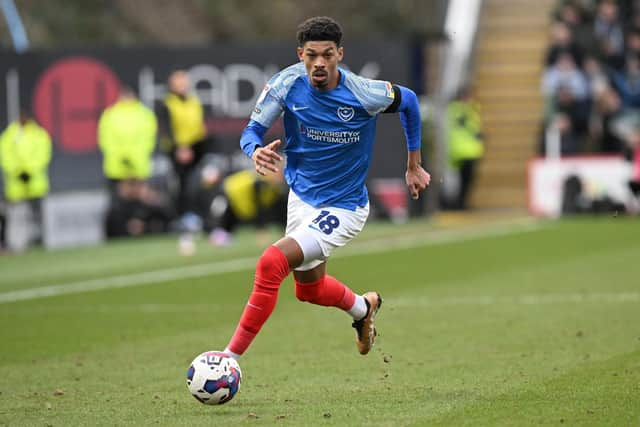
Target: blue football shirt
[329, 134]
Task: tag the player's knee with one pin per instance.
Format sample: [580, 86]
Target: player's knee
[308, 292]
[272, 268]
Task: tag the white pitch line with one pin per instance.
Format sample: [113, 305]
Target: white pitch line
[129, 280]
[380, 245]
[393, 302]
[389, 243]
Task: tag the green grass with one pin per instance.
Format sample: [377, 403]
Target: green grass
[536, 326]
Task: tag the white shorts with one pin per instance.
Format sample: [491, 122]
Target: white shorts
[319, 231]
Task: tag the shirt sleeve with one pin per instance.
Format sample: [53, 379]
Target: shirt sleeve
[252, 137]
[270, 103]
[409, 110]
[374, 95]
[269, 107]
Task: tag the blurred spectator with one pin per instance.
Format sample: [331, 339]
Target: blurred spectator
[248, 198]
[25, 153]
[127, 138]
[562, 42]
[611, 67]
[203, 186]
[627, 82]
[575, 200]
[609, 33]
[184, 135]
[241, 198]
[466, 142]
[567, 91]
[633, 42]
[607, 109]
[597, 78]
[634, 21]
[629, 9]
[565, 73]
[560, 136]
[627, 126]
[573, 15]
[577, 110]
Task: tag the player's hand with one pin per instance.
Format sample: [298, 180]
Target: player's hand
[417, 180]
[265, 158]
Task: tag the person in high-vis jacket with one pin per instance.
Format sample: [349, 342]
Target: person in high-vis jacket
[183, 134]
[127, 133]
[466, 142]
[248, 198]
[127, 137]
[25, 154]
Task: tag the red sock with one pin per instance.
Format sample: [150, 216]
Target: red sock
[271, 270]
[327, 291]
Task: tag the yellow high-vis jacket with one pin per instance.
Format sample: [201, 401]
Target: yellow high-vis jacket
[25, 153]
[186, 117]
[246, 198]
[127, 136]
[464, 132]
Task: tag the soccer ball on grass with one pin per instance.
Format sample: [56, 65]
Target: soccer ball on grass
[214, 378]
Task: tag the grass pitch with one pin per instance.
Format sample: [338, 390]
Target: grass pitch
[517, 324]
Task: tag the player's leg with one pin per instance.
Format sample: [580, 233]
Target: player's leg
[272, 268]
[290, 252]
[317, 287]
[318, 234]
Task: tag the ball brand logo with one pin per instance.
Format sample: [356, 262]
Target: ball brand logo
[346, 113]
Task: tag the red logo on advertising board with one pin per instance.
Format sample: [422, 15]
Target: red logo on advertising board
[69, 98]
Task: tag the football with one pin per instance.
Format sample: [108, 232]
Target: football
[214, 378]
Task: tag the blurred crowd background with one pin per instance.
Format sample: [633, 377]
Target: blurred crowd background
[591, 81]
[591, 88]
[123, 118]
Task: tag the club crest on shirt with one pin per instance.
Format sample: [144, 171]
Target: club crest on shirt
[346, 113]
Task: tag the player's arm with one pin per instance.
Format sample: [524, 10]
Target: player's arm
[268, 109]
[264, 158]
[405, 102]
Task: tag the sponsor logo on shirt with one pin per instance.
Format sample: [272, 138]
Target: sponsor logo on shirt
[346, 113]
[266, 90]
[330, 136]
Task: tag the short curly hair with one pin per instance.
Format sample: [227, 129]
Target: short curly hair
[319, 28]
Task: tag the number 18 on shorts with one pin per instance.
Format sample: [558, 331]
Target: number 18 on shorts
[327, 227]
